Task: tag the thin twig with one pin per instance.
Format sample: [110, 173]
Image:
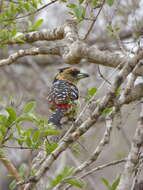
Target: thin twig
[92, 24]
[29, 14]
[102, 76]
[104, 141]
[102, 167]
[96, 169]
[11, 168]
[127, 177]
[21, 147]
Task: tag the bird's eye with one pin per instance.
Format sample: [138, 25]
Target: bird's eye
[75, 73]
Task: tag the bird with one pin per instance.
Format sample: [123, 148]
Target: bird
[63, 95]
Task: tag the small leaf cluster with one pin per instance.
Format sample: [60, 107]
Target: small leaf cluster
[112, 30]
[19, 128]
[114, 184]
[11, 25]
[77, 10]
[107, 111]
[21, 170]
[65, 177]
[90, 93]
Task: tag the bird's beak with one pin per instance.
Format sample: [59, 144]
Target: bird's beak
[82, 75]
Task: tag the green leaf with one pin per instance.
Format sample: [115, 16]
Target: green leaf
[1, 153]
[115, 183]
[106, 111]
[28, 139]
[19, 40]
[19, 130]
[106, 182]
[50, 132]
[36, 136]
[29, 107]
[67, 172]
[3, 119]
[118, 92]
[94, 2]
[75, 149]
[12, 114]
[37, 24]
[37, 144]
[3, 130]
[14, 31]
[50, 147]
[34, 4]
[79, 13]
[92, 91]
[71, 13]
[64, 1]
[110, 2]
[20, 141]
[13, 185]
[110, 28]
[26, 6]
[80, 1]
[27, 117]
[76, 183]
[71, 5]
[1, 138]
[22, 170]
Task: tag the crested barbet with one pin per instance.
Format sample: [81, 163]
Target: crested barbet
[64, 94]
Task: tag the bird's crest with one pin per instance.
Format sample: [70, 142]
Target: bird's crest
[62, 69]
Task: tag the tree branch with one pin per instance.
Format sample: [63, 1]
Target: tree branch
[133, 157]
[104, 141]
[100, 147]
[48, 35]
[97, 169]
[33, 51]
[110, 96]
[74, 49]
[11, 168]
[135, 94]
[94, 20]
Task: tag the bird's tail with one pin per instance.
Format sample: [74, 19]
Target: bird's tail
[56, 117]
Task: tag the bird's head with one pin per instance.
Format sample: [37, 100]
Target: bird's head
[71, 74]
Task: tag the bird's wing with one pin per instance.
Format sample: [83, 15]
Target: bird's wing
[63, 92]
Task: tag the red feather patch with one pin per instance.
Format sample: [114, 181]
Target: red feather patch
[63, 106]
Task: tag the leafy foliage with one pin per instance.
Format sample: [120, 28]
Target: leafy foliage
[16, 127]
[110, 2]
[107, 111]
[112, 186]
[50, 147]
[112, 30]
[29, 107]
[75, 149]
[9, 19]
[12, 12]
[22, 170]
[90, 93]
[13, 185]
[65, 176]
[77, 11]
[118, 92]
